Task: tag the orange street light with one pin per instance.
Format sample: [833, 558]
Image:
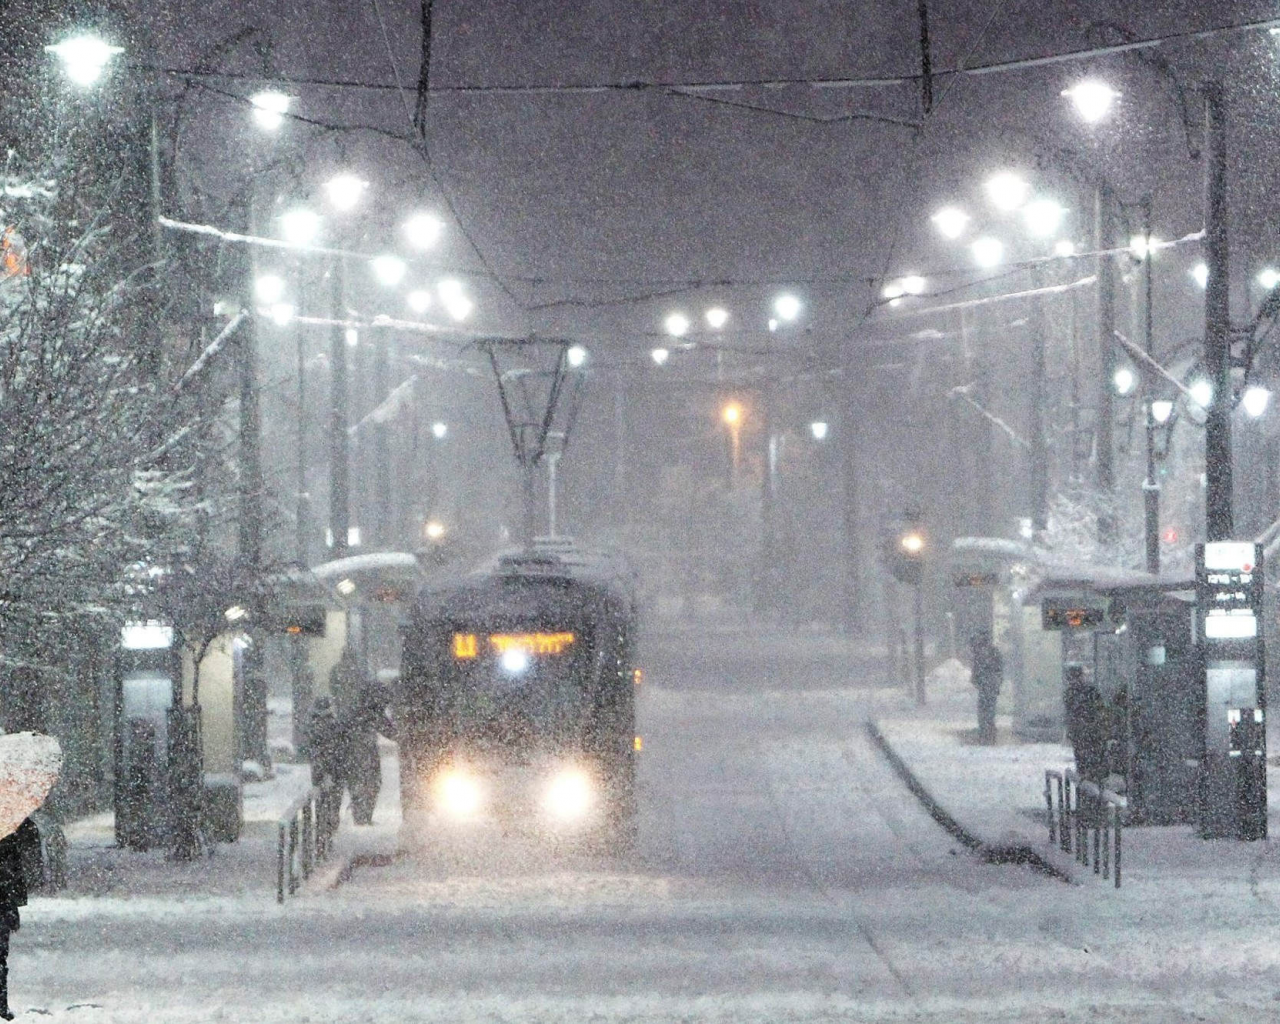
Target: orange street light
[732, 414]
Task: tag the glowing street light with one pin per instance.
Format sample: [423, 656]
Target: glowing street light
[433, 529]
[1255, 400]
[300, 226]
[1124, 380]
[439, 429]
[269, 108]
[786, 306]
[282, 314]
[1043, 217]
[575, 356]
[1064, 247]
[1142, 246]
[1007, 191]
[1161, 410]
[732, 415]
[268, 288]
[717, 317]
[423, 230]
[912, 543]
[84, 57]
[419, 300]
[1201, 393]
[1200, 273]
[389, 270]
[456, 303]
[1268, 278]
[352, 337]
[950, 221]
[660, 355]
[819, 429]
[987, 252]
[345, 190]
[676, 325]
[1092, 99]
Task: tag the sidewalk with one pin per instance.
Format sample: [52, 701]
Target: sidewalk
[97, 867]
[995, 795]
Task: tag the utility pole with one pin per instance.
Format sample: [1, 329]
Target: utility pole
[382, 440]
[852, 536]
[1151, 485]
[302, 524]
[339, 465]
[1219, 523]
[926, 59]
[984, 481]
[1107, 357]
[1039, 454]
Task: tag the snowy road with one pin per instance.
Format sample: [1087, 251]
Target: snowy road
[783, 874]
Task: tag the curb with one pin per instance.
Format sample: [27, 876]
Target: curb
[1010, 854]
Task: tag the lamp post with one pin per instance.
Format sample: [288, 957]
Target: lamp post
[732, 415]
[1219, 521]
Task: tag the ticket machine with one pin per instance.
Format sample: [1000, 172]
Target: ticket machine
[1233, 779]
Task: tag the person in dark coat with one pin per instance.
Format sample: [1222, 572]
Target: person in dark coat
[325, 745]
[14, 848]
[1086, 724]
[987, 674]
[366, 719]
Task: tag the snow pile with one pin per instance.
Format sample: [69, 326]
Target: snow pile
[29, 765]
[950, 677]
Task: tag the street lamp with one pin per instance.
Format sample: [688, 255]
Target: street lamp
[439, 429]
[389, 270]
[1201, 392]
[300, 226]
[344, 191]
[819, 429]
[1255, 400]
[1043, 217]
[951, 222]
[732, 415]
[1161, 410]
[1007, 191]
[987, 252]
[1124, 380]
[1268, 278]
[1200, 273]
[1092, 98]
[269, 108]
[717, 317]
[787, 307]
[419, 300]
[456, 304]
[423, 230]
[676, 325]
[268, 288]
[575, 356]
[84, 57]
[660, 356]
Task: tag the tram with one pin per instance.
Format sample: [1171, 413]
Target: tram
[517, 695]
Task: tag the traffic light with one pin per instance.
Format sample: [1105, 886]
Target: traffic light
[904, 550]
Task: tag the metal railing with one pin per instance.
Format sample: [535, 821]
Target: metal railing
[1094, 808]
[305, 836]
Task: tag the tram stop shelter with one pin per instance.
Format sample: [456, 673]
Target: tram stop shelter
[1132, 636]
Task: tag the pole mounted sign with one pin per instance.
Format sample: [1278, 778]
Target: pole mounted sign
[1233, 780]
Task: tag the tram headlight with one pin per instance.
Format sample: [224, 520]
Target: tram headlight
[569, 795]
[459, 793]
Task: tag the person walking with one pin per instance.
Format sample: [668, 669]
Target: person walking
[14, 849]
[368, 718]
[987, 668]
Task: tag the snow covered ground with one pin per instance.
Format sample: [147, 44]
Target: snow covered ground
[783, 874]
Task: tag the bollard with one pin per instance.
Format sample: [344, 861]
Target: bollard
[1048, 802]
[280, 865]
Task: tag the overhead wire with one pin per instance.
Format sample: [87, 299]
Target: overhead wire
[418, 123]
